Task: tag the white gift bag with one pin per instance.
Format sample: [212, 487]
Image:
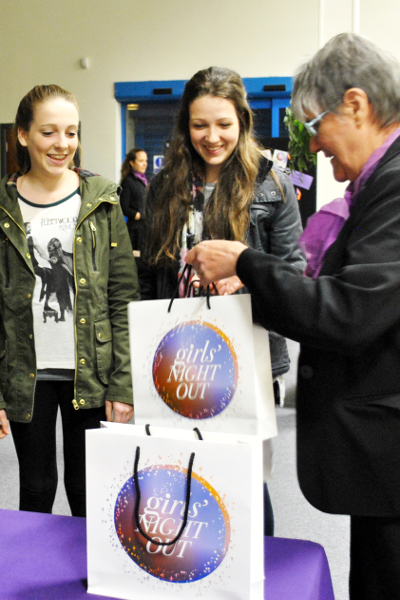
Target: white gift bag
[219, 554]
[200, 366]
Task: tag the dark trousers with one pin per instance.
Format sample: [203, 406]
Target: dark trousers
[374, 558]
[35, 443]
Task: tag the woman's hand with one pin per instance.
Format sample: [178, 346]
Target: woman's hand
[224, 287]
[4, 425]
[229, 285]
[214, 260]
[119, 412]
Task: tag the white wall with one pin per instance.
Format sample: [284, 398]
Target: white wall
[42, 41]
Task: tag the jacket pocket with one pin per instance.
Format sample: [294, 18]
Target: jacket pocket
[7, 262]
[264, 206]
[104, 347]
[93, 232]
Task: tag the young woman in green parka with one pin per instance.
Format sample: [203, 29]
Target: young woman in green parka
[66, 276]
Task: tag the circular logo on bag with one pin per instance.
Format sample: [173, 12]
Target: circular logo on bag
[195, 370]
[204, 542]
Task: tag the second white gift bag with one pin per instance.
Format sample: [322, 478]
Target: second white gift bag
[170, 516]
[201, 364]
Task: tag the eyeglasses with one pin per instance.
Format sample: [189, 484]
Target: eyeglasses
[312, 126]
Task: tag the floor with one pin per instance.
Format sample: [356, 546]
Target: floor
[294, 517]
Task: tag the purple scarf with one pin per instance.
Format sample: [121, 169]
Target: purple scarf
[323, 228]
[140, 176]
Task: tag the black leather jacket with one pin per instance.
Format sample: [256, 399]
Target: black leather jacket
[275, 227]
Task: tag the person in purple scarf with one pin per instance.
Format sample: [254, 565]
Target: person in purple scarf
[134, 184]
[346, 311]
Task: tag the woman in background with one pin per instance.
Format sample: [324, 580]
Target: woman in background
[66, 276]
[216, 184]
[134, 183]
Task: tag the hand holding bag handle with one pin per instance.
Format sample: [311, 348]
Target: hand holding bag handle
[187, 270]
[187, 500]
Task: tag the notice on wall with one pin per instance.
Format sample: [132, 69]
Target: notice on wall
[301, 179]
[158, 163]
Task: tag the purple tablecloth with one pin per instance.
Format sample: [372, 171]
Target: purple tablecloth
[296, 570]
[43, 557]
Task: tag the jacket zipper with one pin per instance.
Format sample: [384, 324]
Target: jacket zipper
[93, 231]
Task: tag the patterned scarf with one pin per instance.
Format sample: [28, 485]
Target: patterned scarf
[192, 232]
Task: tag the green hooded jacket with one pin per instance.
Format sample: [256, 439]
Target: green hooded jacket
[105, 281]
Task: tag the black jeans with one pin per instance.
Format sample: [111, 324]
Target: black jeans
[35, 443]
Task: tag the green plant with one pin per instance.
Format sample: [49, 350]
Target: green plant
[299, 144]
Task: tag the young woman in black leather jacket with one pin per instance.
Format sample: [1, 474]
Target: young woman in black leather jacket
[217, 184]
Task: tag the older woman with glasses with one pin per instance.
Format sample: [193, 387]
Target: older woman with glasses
[346, 311]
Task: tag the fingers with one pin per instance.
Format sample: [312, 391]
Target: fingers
[4, 425]
[215, 259]
[229, 285]
[122, 412]
[109, 410]
[195, 281]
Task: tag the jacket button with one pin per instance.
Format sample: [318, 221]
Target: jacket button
[83, 321]
[31, 336]
[81, 401]
[82, 361]
[28, 416]
[82, 281]
[89, 204]
[28, 255]
[6, 225]
[79, 240]
[31, 375]
[306, 371]
[29, 296]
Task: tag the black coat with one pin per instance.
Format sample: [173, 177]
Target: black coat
[348, 324]
[132, 202]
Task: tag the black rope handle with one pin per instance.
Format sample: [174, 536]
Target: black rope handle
[189, 287]
[192, 289]
[147, 428]
[187, 268]
[138, 497]
[197, 430]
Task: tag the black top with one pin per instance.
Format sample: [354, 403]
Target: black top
[132, 202]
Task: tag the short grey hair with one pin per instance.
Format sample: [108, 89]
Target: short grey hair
[348, 61]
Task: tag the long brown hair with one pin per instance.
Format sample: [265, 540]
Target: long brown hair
[26, 114]
[227, 213]
[126, 165]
